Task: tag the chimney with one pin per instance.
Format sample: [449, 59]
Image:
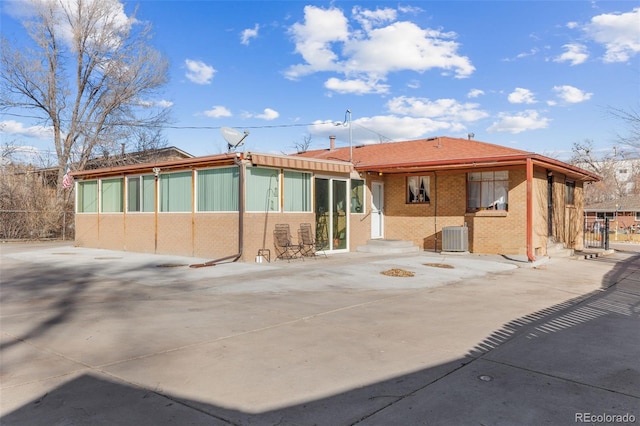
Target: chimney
[332, 143]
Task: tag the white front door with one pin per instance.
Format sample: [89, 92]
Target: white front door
[377, 209]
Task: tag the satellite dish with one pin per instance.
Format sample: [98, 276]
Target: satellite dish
[233, 137]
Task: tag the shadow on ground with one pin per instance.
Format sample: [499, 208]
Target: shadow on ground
[543, 368]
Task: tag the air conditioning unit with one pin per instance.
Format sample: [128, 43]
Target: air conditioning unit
[455, 238]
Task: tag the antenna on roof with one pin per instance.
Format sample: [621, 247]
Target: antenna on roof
[471, 135]
[234, 137]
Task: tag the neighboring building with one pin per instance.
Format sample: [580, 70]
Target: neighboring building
[623, 213]
[619, 178]
[227, 205]
[50, 174]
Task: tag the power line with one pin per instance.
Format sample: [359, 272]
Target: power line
[270, 126]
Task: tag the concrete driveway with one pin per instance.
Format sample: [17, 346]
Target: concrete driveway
[100, 337]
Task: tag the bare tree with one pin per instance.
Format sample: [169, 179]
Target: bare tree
[608, 165]
[303, 145]
[631, 118]
[88, 73]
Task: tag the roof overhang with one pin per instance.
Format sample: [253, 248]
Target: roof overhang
[299, 163]
[468, 164]
[265, 160]
[227, 159]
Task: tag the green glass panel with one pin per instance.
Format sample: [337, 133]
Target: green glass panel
[175, 192]
[88, 196]
[262, 190]
[218, 189]
[297, 191]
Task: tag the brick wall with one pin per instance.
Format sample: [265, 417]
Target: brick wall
[111, 231]
[139, 235]
[505, 234]
[259, 227]
[175, 234]
[422, 223]
[214, 235]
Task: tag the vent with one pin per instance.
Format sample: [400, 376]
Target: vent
[455, 238]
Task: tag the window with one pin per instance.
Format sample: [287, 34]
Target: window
[87, 197]
[604, 215]
[262, 190]
[218, 189]
[357, 196]
[487, 191]
[175, 192]
[111, 195]
[418, 189]
[637, 216]
[571, 192]
[297, 191]
[141, 195]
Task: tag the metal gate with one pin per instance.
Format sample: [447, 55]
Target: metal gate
[596, 233]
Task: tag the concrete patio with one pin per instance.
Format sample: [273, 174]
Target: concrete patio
[97, 337]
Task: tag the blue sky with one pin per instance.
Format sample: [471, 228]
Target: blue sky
[536, 75]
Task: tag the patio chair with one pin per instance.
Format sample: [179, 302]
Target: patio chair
[284, 247]
[308, 244]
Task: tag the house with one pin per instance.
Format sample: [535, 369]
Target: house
[50, 174]
[227, 205]
[623, 213]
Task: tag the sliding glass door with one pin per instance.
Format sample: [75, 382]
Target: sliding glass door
[331, 207]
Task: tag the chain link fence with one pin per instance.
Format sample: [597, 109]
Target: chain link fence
[36, 225]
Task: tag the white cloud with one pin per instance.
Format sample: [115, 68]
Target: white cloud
[523, 121]
[356, 86]
[370, 130]
[199, 72]
[13, 127]
[268, 114]
[474, 93]
[575, 53]
[405, 46]
[373, 18]
[521, 96]
[164, 103]
[248, 34]
[373, 45]
[571, 25]
[443, 109]
[218, 111]
[314, 37]
[571, 95]
[413, 10]
[618, 32]
[161, 103]
[531, 52]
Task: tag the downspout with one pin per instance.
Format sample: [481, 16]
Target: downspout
[435, 212]
[233, 257]
[530, 255]
[156, 172]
